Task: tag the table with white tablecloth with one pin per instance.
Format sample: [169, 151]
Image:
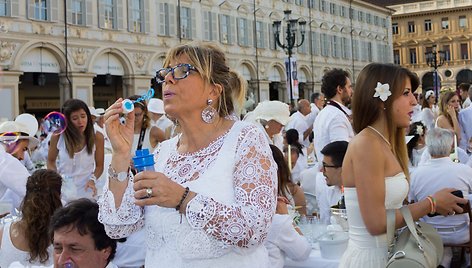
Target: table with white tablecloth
[314, 261]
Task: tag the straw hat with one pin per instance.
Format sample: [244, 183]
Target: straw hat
[272, 110]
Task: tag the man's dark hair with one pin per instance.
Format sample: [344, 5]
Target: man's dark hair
[464, 86]
[336, 150]
[331, 80]
[82, 214]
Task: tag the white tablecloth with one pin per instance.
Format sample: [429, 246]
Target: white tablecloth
[314, 261]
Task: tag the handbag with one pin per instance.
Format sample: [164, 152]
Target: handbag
[415, 246]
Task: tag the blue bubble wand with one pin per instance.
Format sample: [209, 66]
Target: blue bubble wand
[128, 105]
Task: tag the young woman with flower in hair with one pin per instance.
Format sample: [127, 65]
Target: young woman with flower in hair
[26, 242]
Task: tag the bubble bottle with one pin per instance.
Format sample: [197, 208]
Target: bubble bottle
[143, 160]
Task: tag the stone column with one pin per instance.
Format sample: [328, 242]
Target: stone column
[82, 87]
[264, 90]
[136, 84]
[9, 95]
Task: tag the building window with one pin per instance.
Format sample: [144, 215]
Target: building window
[427, 26]
[137, 16]
[445, 23]
[323, 5]
[109, 11]
[413, 59]
[360, 15]
[464, 51]
[315, 43]
[209, 26]
[185, 23]
[324, 45]
[335, 46]
[167, 19]
[368, 18]
[447, 52]
[396, 56]
[395, 28]
[376, 20]
[243, 38]
[225, 29]
[40, 10]
[260, 35]
[343, 11]
[345, 47]
[462, 22]
[355, 49]
[332, 8]
[411, 26]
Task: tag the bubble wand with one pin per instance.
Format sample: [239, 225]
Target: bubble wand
[128, 105]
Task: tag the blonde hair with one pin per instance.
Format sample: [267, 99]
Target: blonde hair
[366, 109]
[211, 63]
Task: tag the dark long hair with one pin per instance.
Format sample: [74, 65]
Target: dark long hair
[413, 131]
[283, 173]
[72, 136]
[43, 197]
[292, 139]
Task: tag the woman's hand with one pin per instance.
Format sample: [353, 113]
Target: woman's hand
[91, 185]
[447, 203]
[165, 192]
[451, 111]
[120, 136]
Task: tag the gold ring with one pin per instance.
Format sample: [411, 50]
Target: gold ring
[148, 192]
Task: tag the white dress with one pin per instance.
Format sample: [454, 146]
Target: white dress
[365, 250]
[76, 171]
[225, 225]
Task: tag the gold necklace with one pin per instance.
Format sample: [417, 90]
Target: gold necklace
[380, 134]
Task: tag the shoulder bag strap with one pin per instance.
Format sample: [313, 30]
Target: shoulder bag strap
[410, 223]
[335, 104]
[141, 138]
[390, 230]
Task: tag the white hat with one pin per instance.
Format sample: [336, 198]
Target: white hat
[100, 111]
[428, 94]
[93, 111]
[29, 121]
[156, 106]
[272, 110]
[18, 127]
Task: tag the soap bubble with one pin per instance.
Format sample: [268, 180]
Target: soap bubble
[9, 138]
[55, 123]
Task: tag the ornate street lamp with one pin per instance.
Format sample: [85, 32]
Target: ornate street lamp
[433, 61]
[290, 41]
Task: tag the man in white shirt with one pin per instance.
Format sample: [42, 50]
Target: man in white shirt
[438, 173]
[464, 93]
[331, 194]
[14, 139]
[298, 121]
[157, 114]
[317, 103]
[333, 122]
[465, 122]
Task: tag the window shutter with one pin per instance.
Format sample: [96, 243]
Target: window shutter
[232, 30]
[30, 9]
[214, 26]
[14, 8]
[101, 14]
[88, 12]
[119, 14]
[69, 11]
[193, 33]
[172, 9]
[206, 26]
[240, 31]
[145, 13]
[272, 44]
[130, 15]
[250, 32]
[53, 11]
[162, 19]
[220, 17]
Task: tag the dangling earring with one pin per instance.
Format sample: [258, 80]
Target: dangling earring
[209, 113]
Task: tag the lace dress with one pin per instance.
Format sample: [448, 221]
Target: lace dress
[226, 223]
[365, 250]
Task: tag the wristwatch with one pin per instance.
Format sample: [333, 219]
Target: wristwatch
[120, 176]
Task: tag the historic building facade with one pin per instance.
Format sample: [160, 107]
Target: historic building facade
[99, 50]
[439, 25]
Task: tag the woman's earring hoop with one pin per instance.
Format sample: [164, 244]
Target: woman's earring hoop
[209, 113]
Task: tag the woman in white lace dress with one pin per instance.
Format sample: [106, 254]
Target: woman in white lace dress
[212, 197]
[375, 168]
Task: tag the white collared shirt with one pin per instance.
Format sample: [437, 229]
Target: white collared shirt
[13, 176]
[298, 122]
[330, 125]
[465, 122]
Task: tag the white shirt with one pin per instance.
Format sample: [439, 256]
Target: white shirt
[162, 123]
[416, 116]
[282, 240]
[13, 175]
[331, 124]
[310, 118]
[465, 122]
[327, 197]
[434, 175]
[428, 118]
[466, 103]
[298, 122]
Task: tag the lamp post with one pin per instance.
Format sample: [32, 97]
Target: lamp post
[432, 61]
[290, 41]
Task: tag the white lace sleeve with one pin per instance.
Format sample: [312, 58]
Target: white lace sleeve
[246, 223]
[125, 220]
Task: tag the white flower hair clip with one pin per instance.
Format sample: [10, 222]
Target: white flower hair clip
[419, 130]
[382, 91]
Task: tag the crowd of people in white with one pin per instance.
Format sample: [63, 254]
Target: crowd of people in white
[221, 222]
